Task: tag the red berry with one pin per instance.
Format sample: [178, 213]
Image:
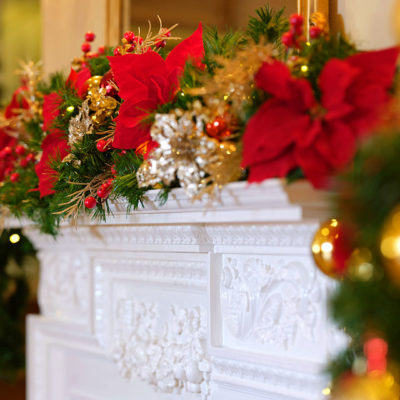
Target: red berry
[14, 177]
[129, 36]
[7, 150]
[90, 202]
[219, 123]
[110, 90]
[101, 50]
[103, 193]
[20, 150]
[139, 40]
[102, 145]
[86, 47]
[113, 170]
[89, 36]
[123, 152]
[117, 51]
[315, 32]
[24, 163]
[296, 30]
[288, 39]
[161, 43]
[30, 157]
[130, 48]
[296, 20]
[167, 33]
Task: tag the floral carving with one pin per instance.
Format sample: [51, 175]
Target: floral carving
[173, 359]
[269, 303]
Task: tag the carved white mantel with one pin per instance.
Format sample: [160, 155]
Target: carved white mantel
[214, 300]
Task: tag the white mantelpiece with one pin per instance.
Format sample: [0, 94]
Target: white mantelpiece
[217, 301]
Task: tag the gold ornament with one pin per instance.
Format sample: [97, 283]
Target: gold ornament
[323, 246]
[374, 386]
[80, 125]
[390, 245]
[185, 152]
[360, 266]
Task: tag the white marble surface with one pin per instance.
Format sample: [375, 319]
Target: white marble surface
[212, 300]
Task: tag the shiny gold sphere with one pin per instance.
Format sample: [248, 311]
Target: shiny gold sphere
[323, 247]
[390, 245]
[374, 386]
[94, 81]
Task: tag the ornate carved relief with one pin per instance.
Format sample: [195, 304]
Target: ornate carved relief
[173, 359]
[64, 290]
[272, 304]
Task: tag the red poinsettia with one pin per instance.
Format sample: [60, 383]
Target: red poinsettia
[146, 81]
[77, 80]
[292, 130]
[55, 147]
[18, 102]
[51, 104]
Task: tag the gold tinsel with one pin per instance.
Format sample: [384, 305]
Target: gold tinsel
[186, 153]
[233, 82]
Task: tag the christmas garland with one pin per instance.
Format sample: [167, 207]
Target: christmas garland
[249, 105]
[14, 294]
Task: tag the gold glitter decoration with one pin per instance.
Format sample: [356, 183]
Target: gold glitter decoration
[102, 105]
[185, 152]
[233, 82]
[80, 125]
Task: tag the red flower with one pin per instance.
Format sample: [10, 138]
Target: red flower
[292, 130]
[77, 80]
[18, 102]
[6, 162]
[55, 147]
[146, 81]
[51, 104]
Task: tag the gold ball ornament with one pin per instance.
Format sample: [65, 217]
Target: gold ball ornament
[374, 386]
[390, 245]
[327, 249]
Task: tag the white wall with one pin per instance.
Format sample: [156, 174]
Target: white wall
[370, 23]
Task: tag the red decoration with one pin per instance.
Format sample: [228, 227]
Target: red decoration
[376, 350]
[146, 81]
[55, 147]
[161, 43]
[292, 130]
[117, 51]
[315, 32]
[101, 50]
[86, 47]
[129, 36]
[30, 157]
[51, 110]
[24, 163]
[20, 150]
[14, 177]
[288, 39]
[77, 80]
[90, 202]
[90, 36]
[18, 102]
[102, 145]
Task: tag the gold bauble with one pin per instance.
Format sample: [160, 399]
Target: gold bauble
[325, 244]
[94, 81]
[360, 266]
[374, 386]
[390, 245]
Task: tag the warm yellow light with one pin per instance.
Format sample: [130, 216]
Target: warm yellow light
[15, 238]
[308, 43]
[70, 109]
[326, 391]
[304, 68]
[326, 247]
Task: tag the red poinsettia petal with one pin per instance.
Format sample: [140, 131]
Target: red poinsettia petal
[55, 147]
[335, 79]
[315, 167]
[18, 101]
[271, 130]
[51, 104]
[191, 48]
[130, 131]
[337, 144]
[77, 80]
[277, 167]
[132, 73]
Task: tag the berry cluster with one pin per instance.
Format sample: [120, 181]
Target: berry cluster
[294, 37]
[87, 47]
[102, 193]
[12, 157]
[221, 127]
